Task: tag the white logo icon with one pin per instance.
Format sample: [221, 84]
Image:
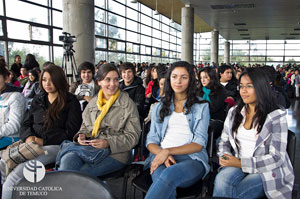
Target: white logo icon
[34, 171]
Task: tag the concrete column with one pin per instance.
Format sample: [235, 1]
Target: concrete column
[78, 19]
[227, 52]
[187, 40]
[214, 52]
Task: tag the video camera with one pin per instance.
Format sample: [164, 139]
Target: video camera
[68, 40]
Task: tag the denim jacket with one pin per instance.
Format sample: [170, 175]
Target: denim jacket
[198, 119]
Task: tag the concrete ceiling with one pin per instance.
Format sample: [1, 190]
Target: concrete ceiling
[262, 19]
[165, 6]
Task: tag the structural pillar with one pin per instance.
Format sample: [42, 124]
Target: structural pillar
[78, 20]
[187, 40]
[214, 52]
[227, 52]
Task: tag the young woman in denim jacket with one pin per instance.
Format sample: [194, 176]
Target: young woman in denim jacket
[178, 135]
[253, 144]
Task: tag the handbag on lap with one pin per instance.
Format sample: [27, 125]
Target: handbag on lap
[20, 152]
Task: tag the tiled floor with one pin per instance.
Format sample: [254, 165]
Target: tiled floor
[293, 118]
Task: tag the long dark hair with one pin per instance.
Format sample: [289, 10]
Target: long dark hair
[265, 101]
[59, 81]
[169, 93]
[214, 84]
[149, 77]
[36, 76]
[104, 70]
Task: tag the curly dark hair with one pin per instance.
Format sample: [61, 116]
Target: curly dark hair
[265, 100]
[169, 93]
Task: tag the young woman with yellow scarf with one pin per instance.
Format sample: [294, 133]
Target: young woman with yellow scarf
[109, 131]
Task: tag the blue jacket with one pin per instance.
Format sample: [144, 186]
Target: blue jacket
[198, 119]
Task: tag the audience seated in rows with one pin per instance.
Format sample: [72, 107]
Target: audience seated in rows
[53, 117]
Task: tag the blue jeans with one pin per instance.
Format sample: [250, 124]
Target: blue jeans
[184, 173]
[6, 141]
[71, 161]
[232, 182]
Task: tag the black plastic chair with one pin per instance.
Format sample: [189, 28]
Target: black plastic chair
[68, 184]
[143, 181]
[291, 146]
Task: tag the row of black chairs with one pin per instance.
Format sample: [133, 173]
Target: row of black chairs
[77, 185]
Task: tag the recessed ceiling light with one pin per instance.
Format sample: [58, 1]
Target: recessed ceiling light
[296, 29]
[239, 24]
[241, 30]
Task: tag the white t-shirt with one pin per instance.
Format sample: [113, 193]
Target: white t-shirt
[224, 83]
[247, 141]
[178, 132]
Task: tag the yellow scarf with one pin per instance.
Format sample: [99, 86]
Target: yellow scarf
[104, 107]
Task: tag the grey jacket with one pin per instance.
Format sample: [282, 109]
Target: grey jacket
[120, 127]
[12, 111]
[270, 158]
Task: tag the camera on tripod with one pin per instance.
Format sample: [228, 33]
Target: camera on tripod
[68, 41]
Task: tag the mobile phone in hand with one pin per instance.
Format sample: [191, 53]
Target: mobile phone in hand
[220, 154]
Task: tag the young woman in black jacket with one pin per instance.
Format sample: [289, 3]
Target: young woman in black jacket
[54, 116]
[212, 91]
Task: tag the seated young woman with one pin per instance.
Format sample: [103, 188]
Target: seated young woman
[111, 127]
[178, 135]
[54, 116]
[256, 131]
[212, 91]
[12, 110]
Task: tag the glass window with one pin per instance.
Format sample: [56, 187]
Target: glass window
[58, 55]
[275, 52]
[258, 46]
[116, 7]
[165, 20]
[56, 34]
[133, 58]
[165, 36]
[132, 25]
[257, 52]
[165, 45]
[57, 19]
[99, 15]
[146, 20]
[1, 29]
[241, 47]
[1, 9]
[156, 33]
[292, 59]
[172, 47]
[165, 28]
[132, 14]
[132, 5]
[271, 59]
[99, 3]
[116, 33]
[146, 30]
[116, 57]
[145, 40]
[101, 43]
[292, 46]
[156, 42]
[257, 59]
[133, 37]
[100, 29]
[172, 39]
[240, 52]
[292, 52]
[30, 12]
[275, 46]
[146, 10]
[22, 33]
[116, 20]
[205, 41]
[42, 2]
[116, 45]
[41, 34]
[100, 55]
[136, 48]
[156, 24]
[41, 52]
[58, 4]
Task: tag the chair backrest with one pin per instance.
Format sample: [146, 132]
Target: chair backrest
[291, 146]
[65, 184]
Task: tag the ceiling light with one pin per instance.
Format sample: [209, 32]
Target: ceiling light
[156, 11]
[133, 1]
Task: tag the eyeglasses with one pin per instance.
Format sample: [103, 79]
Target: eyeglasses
[249, 86]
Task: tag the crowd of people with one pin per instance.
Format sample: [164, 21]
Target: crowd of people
[93, 124]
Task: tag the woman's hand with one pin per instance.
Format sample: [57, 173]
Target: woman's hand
[29, 139]
[81, 139]
[99, 143]
[170, 161]
[39, 141]
[159, 159]
[230, 161]
[148, 95]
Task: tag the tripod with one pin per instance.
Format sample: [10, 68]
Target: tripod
[69, 65]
